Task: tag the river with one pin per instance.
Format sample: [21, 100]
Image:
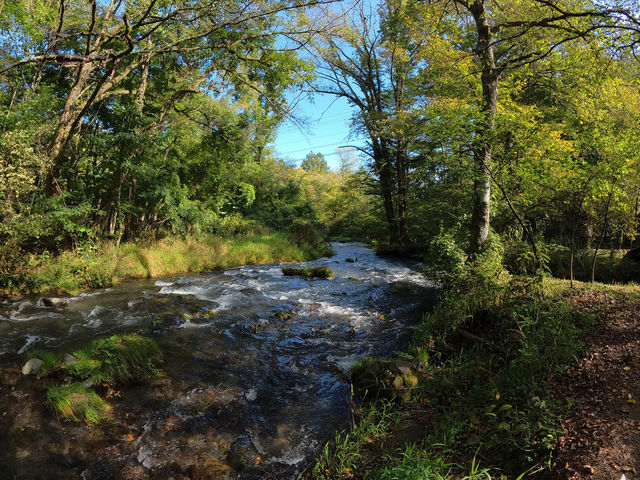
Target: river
[256, 377]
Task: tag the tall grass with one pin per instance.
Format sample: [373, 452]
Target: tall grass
[108, 263]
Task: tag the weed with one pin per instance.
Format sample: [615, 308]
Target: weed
[341, 458]
[117, 359]
[78, 403]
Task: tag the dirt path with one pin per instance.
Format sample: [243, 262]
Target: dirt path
[602, 430]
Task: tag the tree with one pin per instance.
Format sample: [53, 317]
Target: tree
[370, 60]
[507, 37]
[315, 162]
[104, 50]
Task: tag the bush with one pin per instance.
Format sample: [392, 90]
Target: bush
[495, 389]
[304, 234]
[444, 257]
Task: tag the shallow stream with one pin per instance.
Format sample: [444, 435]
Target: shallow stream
[257, 371]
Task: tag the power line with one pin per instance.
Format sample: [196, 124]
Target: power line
[315, 147]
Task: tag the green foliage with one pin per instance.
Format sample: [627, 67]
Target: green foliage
[444, 257]
[78, 403]
[415, 463]
[308, 272]
[477, 287]
[611, 266]
[315, 162]
[304, 233]
[52, 226]
[51, 360]
[527, 338]
[341, 457]
[117, 359]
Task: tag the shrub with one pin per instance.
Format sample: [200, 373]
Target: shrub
[303, 233]
[444, 257]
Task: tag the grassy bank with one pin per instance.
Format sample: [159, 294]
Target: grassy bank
[486, 404]
[106, 264]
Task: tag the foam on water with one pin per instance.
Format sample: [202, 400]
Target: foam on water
[31, 340]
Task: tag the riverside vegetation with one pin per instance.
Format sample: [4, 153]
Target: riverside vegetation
[494, 352]
[496, 140]
[104, 364]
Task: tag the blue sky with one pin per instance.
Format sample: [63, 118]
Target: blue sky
[327, 127]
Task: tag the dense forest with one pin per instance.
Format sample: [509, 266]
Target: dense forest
[496, 141]
[129, 121]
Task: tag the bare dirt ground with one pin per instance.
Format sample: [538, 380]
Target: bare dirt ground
[602, 429]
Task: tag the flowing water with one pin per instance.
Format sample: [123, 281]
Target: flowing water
[256, 378]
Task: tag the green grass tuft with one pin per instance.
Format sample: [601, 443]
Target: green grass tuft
[78, 403]
[117, 359]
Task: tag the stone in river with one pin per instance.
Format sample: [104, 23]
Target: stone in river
[32, 367]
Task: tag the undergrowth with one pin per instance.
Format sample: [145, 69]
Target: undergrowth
[494, 344]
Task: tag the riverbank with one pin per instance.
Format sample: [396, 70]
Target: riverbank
[107, 263]
[540, 383]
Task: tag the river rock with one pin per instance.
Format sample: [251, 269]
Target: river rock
[243, 454]
[53, 302]
[68, 360]
[386, 378]
[404, 287]
[32, 367]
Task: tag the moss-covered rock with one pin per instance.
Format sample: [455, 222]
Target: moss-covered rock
[308, 272]
[392, 379]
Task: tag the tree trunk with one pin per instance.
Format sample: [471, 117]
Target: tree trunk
[402, 174]
[386, 186]
[482, 150]
[602, 232]
[65, 126]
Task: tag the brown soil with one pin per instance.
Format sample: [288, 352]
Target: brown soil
[602, 430]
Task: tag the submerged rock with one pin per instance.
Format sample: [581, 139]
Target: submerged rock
[32, 367]
[243, 454]
[212, 469]
[53, 302]
[387, 378]
[405, 287]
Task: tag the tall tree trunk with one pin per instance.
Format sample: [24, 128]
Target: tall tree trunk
[482, 150]
[383, 167]
[401, 202]
[602, 232]
[65, 125]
